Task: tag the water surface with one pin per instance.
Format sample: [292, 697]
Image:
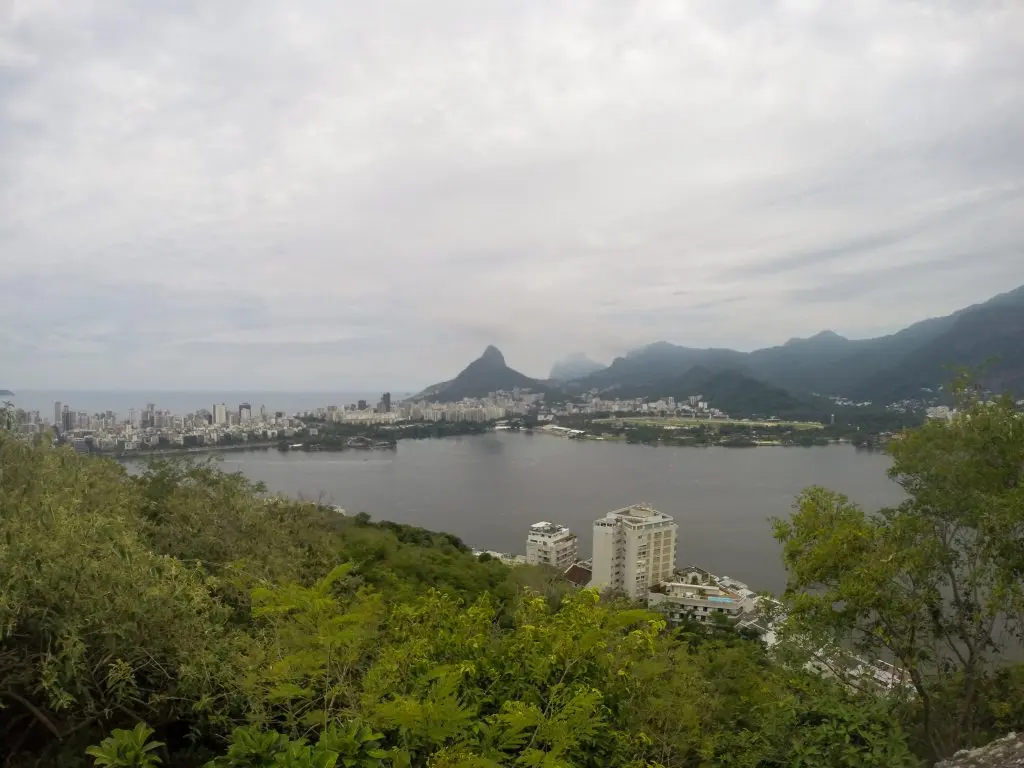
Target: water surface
[488, 489]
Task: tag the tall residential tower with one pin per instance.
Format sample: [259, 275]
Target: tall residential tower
[634, 549]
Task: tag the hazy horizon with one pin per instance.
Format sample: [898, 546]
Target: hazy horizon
[410, 390]
[200, 194]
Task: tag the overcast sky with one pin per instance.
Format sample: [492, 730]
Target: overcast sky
[346, 195]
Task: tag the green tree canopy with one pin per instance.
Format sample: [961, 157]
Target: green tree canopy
[933, 585]
[247, 630]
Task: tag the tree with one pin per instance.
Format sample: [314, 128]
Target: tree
[933, 584]
[248, 630]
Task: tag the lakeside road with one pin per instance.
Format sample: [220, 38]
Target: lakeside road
[661, 422]
[261, 446]
[682, 421]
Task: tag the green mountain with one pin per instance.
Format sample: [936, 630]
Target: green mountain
[729, 390]
[989, 336]
[831, 364]
[6, 393]
[656, 362]
[488, 373]
[887, 368]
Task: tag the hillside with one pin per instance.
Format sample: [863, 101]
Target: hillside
[830, 364]
[656, 362]
[184, 604]
[990, 337]
[6, 393]
[729, 390]
[488, 373]
[886, 368]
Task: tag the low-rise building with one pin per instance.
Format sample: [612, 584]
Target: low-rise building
[680, 600]
[550, 544]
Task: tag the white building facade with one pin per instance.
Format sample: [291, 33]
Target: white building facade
[634, 549]
[550, 544]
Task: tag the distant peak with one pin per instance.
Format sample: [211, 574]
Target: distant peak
[493, 355]
[821, 337]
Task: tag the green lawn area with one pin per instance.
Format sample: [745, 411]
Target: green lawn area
[674, 421]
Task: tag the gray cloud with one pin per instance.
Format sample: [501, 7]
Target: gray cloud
[944, 218]
[350, 195]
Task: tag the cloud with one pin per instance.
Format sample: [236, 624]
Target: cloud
[353, 195]
[946, 217]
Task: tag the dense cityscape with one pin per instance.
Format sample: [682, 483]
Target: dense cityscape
[153, 427]
[364, 424]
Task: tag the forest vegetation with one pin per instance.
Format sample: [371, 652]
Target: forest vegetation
[184, 617]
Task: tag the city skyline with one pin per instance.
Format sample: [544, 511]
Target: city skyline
[371, 193]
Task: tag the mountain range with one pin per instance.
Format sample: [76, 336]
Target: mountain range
[902, 365]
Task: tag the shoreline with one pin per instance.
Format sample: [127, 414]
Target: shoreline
[264, 446]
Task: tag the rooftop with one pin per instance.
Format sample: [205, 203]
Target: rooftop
[639, 513]
[579, 574]
[711, 592]
[546, 527]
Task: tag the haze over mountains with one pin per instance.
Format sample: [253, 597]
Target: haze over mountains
[574, 366]
[884, 369]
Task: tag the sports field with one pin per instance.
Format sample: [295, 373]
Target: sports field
[676, 421]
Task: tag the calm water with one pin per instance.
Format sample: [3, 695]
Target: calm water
[488, 489]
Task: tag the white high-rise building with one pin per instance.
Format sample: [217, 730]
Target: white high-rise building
[550, 544]
[220, 413]
[634, 549]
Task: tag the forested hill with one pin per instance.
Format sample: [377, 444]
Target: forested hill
[729, 390]
[183, 618]
[987, 336]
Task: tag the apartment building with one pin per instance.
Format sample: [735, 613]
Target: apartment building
[550, 544]
[634, 549]
[701, 602]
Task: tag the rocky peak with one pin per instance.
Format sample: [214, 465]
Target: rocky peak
[492, 355]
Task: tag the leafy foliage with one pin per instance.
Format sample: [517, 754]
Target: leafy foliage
[248, 630]
[935, 584]
[131, 749]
